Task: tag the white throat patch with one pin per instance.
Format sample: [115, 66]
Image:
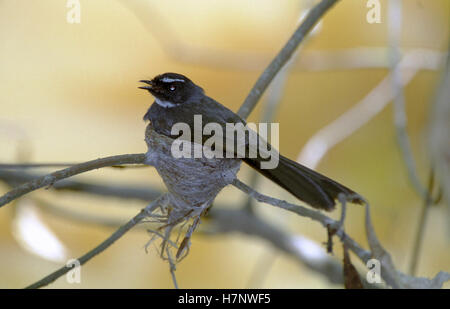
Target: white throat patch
[165, 104]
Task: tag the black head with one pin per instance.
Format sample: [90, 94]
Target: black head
[172, 88]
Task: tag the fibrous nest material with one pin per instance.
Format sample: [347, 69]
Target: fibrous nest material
[193, 184]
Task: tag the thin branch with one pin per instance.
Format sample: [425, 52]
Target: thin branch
[439, 128]
[283, 56]
[389, 273]
[421, 227]
[271, 106]
[400, 118]
[306, 252]
[33, 165]
[133, 191]
[223, 218]
[274, 96]
[104, 245]
[172, 268]
[50, 179]
[4, 166]
[315, 215]
[395, 17]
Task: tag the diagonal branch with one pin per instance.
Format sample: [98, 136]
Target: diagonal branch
[104, 245]
[307, 252]
[315, 215]
[389, 273]
[395, 17]
[226, 220]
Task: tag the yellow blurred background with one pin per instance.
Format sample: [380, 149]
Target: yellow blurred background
[68, 93]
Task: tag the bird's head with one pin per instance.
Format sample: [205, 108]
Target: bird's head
[172, 89]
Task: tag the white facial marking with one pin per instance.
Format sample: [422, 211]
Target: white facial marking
[165, 104]
[171, 80]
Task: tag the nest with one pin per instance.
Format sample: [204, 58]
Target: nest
[193, 184]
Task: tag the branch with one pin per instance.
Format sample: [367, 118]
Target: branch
[6, 166]
[438, 134]
[225, 220]
[400, 118]
[418, 241]
[270, 108]
[315, 215]
[33, 165]
[283, 56]
[50, 179]
[304, 251]
[104, 245]
[133, 191]
[389, 273]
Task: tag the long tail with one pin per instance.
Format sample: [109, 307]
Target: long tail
[307, 185]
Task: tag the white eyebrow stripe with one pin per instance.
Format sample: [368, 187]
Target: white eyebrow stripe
[171, 80]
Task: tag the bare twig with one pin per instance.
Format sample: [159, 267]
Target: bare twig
[283, 56]
[33, 165]
[304, 251]
[131, 191]
[389, 273]
[400, 117]
[439, 132]
[226, 220]
[104, 245]
[50, 179]
[315, 215]
[172, 268]
[270, 108]
[421, 227]
[4, 166]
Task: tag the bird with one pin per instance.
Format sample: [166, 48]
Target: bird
[177, 99]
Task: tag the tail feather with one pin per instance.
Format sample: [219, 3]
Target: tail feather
[307, 185]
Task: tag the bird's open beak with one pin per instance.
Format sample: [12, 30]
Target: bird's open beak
[148, 82]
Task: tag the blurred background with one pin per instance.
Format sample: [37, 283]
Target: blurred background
[68, 93]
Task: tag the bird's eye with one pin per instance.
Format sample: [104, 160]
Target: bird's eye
[172, 87]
